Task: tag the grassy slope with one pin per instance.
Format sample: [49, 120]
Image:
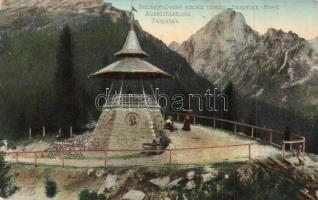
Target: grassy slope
[70, 181]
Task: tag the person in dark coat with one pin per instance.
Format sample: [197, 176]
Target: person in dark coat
[287, 136]
[187, 122]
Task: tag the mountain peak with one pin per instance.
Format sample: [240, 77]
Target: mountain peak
[228, 17]
[174, 46]
[231, 14]
[230, 25]
[227, 32]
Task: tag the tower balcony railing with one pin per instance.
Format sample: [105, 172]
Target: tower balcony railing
[131, 101]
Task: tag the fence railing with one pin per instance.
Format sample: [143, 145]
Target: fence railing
[270, 133]
[131, 101]
[32, 157]
[296, 139]
[44, 131]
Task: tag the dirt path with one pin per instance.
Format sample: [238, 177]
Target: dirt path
[201, 136]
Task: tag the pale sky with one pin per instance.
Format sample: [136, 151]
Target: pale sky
[299, 16]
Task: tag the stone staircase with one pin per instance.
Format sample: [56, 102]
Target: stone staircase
[125, 136]
[157, 120]
[101, 136]
[112, 132]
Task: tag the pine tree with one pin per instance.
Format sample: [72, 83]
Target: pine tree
[50, 187]
[6, 183]
[65, 83]
[230, 113]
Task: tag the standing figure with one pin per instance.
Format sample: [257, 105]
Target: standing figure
[300, 156]
[187, 122]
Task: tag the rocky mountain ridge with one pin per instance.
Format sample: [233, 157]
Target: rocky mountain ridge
[227, 39]
[314, 43]
[32, 14]
[278, 70]
[228, 50]
[14, 6]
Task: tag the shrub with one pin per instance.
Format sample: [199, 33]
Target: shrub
[90, 195]
[50, 187]
[6, 180]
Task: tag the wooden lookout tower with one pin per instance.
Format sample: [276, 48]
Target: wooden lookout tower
[129, 120]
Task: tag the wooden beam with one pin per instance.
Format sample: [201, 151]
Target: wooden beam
[43, 131]
[71, 131]
[30, 133]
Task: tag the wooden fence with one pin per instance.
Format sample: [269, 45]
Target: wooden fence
[43, 131]
[36, 155]
[270, 133]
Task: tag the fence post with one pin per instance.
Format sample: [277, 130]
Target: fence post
[60, 131]
[252, 132]
[170, 157]
[17, 157]
[35, 159]
[30, 133]
[304, 147]
[283, 149]
[178, 117]
[63, 161]
[43, 131]
[235, 131]
[214, 125]
[271, 137]
[71, 131]
[249, 152]
[105, 159]
[193, 119]
[290, 146]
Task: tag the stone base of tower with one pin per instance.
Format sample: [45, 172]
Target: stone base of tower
[126, 129]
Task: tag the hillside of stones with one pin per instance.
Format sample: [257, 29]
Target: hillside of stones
[219, 181]
[28, 51]
[274, 75]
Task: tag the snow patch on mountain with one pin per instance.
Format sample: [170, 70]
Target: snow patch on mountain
[258, 93]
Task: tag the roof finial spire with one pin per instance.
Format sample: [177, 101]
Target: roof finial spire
[131, 66]
[132, 17]
[132, 20]
[131, 46]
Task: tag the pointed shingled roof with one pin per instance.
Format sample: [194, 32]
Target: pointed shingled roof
[131, 46]
[131, 66]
